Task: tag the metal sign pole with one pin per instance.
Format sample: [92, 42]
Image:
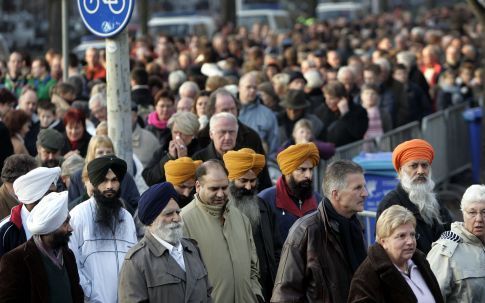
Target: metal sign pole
[119, 97]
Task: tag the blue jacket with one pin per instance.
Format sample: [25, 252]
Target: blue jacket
[284, 219]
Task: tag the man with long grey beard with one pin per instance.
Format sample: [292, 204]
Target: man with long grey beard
[412, 161]
[103, 231]
[244, 166]
[163, 266]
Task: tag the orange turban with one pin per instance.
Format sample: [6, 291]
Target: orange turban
[180, 170]
[416, 149]
[294, 156]
[239, 162]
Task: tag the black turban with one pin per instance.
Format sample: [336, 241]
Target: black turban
[98, 168]
[154, 200]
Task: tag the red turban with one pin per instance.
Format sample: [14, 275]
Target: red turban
[416, 149]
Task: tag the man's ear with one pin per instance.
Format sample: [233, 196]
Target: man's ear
[335, 195]
[197, 186]
[210, 134]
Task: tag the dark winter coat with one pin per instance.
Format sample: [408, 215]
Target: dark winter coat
[378, 280]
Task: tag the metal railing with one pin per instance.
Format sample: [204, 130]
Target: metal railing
[369, 220]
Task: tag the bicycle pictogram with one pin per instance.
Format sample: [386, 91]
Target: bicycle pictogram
[93, 5]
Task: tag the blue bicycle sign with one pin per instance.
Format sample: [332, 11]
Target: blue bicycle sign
[105, 18]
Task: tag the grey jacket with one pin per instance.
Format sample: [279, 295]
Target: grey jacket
[150, 274]
[458, 262]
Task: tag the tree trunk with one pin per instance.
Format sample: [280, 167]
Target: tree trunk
[228, 12]
[143, 16]
[55, 30]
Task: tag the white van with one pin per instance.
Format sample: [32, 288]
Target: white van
[182, 26]
[278, 20]
[347, 10]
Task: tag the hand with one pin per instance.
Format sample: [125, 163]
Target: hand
[71, 153]
[177, 148]
[343, 106]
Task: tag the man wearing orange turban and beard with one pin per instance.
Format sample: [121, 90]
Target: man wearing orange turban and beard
[293, 196]
[412, 160]
[244, 167]
[181, 173]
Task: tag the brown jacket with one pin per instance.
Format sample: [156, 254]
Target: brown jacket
[24, 279]
[7, 202]
[378, 280]
[312, 265]
[150, 274]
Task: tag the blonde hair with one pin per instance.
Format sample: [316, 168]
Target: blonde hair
[302, 123]
[94, 144]
[392, 218]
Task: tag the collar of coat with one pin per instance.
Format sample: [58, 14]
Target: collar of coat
[157, 249]
[391, 276]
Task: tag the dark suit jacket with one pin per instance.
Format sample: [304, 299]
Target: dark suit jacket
[24, 278]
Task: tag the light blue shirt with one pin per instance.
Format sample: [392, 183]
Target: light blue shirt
[263, 121]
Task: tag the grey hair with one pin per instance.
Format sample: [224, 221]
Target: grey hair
[189, 87]
[408, 58]
[71, 165]
[384, 64]
[336, 175]
[474, 193]
[187, 123]
[176, 79]
[343, 70]
[220, 116]
[281, 78]
[98, 98]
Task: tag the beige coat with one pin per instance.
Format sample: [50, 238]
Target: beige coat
[458, 262]
[150, 274]
[227, 249]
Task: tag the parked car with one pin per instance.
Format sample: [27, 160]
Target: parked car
[347, 10]
[182, 25]
[278, 20]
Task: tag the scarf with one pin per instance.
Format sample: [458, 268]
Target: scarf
[286, 201]
[351, 236]
[153, 120]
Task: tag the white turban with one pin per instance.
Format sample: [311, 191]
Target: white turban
[32, 186]
[49, 214]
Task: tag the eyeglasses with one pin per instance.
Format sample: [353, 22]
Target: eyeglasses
[474, 213]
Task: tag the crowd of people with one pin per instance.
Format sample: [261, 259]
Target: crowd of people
[227, 131]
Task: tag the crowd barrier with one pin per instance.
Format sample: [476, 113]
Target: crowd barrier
[446, 131]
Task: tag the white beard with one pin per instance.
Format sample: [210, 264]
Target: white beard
[422, 195]
[172, 232]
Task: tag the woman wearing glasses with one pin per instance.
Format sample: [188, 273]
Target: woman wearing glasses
[394, 270]
[458, 257]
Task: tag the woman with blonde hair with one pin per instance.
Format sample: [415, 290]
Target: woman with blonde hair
[394, 270]
[101, 146]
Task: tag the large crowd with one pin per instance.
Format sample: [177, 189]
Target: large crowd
[219, 205]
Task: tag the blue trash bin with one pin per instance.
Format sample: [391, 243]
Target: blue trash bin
[474, 118]
[380, 178]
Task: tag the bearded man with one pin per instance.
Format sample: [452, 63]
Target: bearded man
[181, 173]
[103, 231]
[163, 253]
[293, 196]
[43, 269]
[244, 167]
[412, 161]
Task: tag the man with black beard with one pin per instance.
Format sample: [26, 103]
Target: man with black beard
[293, 196]
[163, 253]
[244, 166]
[43, 269]
[103, 231]
[412, 161]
